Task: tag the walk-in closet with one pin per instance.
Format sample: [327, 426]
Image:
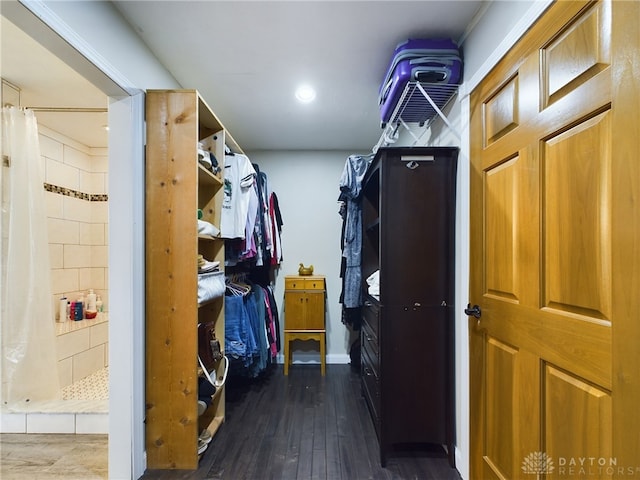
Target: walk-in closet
[319, 240]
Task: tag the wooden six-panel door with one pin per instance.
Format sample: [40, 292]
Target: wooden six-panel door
[555, 250]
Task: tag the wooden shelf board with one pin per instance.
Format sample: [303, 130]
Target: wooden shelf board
[205, 177]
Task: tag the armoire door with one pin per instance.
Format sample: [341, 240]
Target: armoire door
[555, 250]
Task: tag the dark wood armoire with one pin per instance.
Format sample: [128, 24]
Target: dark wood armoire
[408, 218]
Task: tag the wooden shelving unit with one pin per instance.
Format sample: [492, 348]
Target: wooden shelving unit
[176, 187]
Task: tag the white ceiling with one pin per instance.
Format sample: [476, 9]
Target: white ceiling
[46, 81]
[247, 57]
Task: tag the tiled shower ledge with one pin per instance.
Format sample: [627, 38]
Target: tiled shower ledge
[69, 326]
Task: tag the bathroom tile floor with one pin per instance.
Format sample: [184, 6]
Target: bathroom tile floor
[92, 387]
[53, 456]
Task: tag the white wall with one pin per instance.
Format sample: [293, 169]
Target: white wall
[498, 19]
[307, 186]
[113, 43]
[500, 27]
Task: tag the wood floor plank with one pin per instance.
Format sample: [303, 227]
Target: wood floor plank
[274, 469]
[299, 427]
[319, 465]
[333, 458]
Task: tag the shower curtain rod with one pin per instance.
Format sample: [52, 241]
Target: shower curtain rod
[68, 109]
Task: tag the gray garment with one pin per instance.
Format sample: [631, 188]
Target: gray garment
[350, 187]
[354, 171]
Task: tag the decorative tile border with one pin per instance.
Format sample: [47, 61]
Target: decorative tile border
[91, 197]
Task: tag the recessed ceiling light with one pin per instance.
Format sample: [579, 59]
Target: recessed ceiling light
[305, 93]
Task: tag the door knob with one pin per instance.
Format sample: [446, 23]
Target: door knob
[473, 311]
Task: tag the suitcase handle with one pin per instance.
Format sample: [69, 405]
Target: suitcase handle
[436, 60]
[430, 75]
[385, 92]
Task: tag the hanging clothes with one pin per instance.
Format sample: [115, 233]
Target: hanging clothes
[276, 229]
[254, 305]
[240, 342]
[239, 178]
[351, 211]
[251, 327]
[250, 247]
[251, 314]
[263, 233]
[272, 321]
[261, 244]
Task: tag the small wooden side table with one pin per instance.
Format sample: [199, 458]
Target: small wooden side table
[304, 310]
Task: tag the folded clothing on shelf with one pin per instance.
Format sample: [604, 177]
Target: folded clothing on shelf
[206, 228]
[211, 285]
[208, 159]
[205, 265]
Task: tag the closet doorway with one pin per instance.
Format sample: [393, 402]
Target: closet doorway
[103, 258]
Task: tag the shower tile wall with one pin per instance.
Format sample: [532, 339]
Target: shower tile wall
[77, 210]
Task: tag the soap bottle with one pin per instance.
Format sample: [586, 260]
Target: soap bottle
[91, 301]
[99, 304]
[81, 301]
[79, 310]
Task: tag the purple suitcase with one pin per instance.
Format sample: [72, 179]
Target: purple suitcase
[432, 62]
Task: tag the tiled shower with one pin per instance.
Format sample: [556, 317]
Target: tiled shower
[75, 180]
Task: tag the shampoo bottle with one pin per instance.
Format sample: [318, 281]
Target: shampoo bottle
[62, 310]
[79, 311]
[91, 310]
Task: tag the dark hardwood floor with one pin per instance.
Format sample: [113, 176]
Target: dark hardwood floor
[305, 427]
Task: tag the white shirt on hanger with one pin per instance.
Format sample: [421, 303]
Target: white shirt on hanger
[239, 176]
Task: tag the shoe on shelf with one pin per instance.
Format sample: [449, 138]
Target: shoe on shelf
[205, 436]
[202, 407]
[202, 446]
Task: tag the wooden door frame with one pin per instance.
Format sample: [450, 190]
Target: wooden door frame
[626, 226]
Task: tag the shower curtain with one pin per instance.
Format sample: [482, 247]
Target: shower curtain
[29, 359]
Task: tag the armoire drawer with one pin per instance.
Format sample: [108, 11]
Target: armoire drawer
[371, 390]
[304, 283]
[371, 316]
[371, 347]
